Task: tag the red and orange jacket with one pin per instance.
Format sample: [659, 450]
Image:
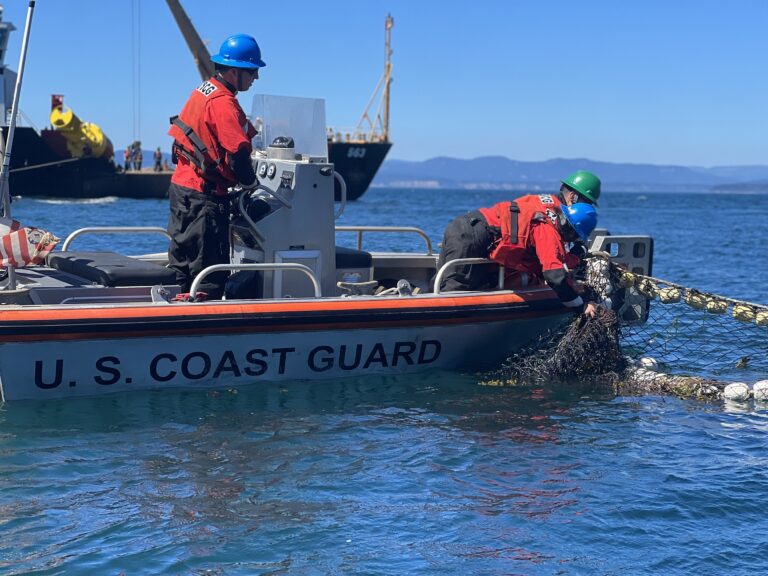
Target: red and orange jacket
[530, 241]
[216, 118]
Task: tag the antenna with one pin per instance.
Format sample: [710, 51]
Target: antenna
[5, 193]
[5, 196]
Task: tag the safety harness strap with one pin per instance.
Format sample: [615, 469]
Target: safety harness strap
[197, 155]
[514, 210]
[207, 170]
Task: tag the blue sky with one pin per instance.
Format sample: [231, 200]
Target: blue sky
[662, 82]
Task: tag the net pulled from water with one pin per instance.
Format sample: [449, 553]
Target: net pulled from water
[653, 336]
[586, 348]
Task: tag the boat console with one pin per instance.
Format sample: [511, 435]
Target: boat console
[290, 217]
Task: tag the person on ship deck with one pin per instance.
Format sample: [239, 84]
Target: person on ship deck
[528, 237]
[212, 150]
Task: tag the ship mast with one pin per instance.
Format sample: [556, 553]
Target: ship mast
[373, 127]
[196, 45]
[388, 23]
[378, 126]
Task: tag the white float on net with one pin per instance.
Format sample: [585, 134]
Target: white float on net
[649, 363]
[736, 392]
[760, 391]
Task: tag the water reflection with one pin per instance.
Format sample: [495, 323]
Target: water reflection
[379, 461]
[377, 475]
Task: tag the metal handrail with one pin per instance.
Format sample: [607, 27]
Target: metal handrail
[113, 230]
[342, 195]
[361, 229]
[461, 262]
[101, 299]
[267, 266]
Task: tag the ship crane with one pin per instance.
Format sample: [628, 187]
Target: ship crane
[196, 45]
[356, 154]
[376, 129]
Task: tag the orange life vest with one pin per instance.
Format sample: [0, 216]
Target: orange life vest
[515, 219]
[193, 138]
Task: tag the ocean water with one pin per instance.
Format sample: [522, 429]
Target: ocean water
[431, 474]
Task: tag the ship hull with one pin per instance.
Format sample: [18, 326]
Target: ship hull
[36, 170]
[88, 178]
[357, 163]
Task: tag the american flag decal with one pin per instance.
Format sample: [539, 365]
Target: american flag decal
[21, 246]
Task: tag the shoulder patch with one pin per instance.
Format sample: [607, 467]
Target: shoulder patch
[207, 88]
[552, 216]
[546, 199]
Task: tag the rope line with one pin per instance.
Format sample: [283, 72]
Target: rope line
[661, 337]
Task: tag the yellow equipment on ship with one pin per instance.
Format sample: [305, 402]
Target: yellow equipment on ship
[83, 139]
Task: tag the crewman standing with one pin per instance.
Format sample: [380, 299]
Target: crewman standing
[212, 149]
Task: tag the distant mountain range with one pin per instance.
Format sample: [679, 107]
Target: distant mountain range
[499, 173]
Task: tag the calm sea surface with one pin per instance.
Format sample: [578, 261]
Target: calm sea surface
[433, 474]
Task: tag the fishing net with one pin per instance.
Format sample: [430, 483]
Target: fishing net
[654, 336]
[587, 349]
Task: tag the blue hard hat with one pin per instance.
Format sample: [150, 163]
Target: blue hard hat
[239, 51]
[582, 217]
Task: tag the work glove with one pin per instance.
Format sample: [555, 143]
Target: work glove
[235, 191]
[599, 254]
[249, 187]
[579, 250]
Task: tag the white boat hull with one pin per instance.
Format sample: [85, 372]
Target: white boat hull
[72, 363]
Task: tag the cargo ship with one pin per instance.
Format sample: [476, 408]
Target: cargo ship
[356, 153]
[69, 159]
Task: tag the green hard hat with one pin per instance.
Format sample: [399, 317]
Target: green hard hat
[585, 183]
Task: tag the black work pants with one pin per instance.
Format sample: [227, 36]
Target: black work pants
[199, 227]
[468, 236]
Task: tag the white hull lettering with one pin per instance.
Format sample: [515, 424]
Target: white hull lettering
[192, 370]
[377, 356]
[356, 152]
[225, 363]
[344, 362]
[404, 350]
[427, 346]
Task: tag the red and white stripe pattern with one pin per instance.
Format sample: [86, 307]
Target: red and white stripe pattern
[20, 246]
